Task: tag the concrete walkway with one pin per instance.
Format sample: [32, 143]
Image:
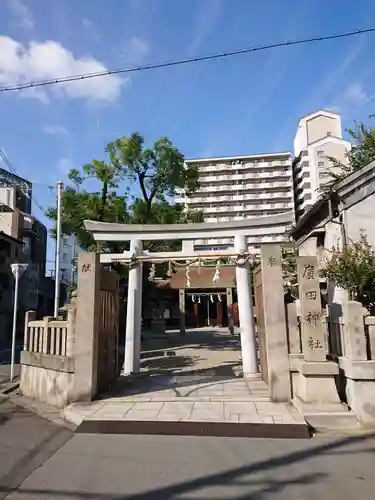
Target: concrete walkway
[194, 379]
[194, 400]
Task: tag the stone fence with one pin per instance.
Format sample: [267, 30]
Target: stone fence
[47, 359]
[349, 344]
[47, 336]
[357, 363]
[370, 336]
[76, 358]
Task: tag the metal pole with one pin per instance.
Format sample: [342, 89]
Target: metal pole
[58, 250]
[73, 262]
[14, 329]
[208, 310]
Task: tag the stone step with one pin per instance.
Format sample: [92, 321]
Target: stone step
[192, 428]
[166, 399]
[322, 422]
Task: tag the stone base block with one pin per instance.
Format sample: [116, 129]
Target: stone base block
[360, 388]
[332, 421]
[315, 383]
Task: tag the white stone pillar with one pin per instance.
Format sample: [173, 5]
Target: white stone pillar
[138, 317]
[245, 311]
[133, 314]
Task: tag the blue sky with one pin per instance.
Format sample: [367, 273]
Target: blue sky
[245, 104]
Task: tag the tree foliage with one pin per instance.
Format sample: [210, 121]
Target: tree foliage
[101, 204]
[158, 171]
[289, 270]
[353, 269]
[361, 153]
[134, 185]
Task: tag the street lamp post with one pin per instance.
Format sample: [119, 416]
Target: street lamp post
[60, 186]
[17, 270]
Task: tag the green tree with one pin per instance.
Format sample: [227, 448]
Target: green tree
[158, 171]
[361, 153]
[353, 269]
[147, 179]
[101, 204]
[289, 270]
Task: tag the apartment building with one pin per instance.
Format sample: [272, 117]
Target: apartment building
[15, 191]
[239, 187]
[67, 258]
[17, 222]
[318, 137]
[9, 250]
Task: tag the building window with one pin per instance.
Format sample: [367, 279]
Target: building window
[321, 163]
[320, 154]
[307, 185]
[305, 153]
[307, 196]
[306, 175]
[26, 244]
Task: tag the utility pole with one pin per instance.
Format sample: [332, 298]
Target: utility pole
[17, 270]
[73, 260]
[58, 249]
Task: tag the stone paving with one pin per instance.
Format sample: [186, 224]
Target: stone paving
[196, 378]
[168, 399]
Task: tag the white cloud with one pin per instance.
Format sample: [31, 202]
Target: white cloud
[208, 15]
[55, 130]
[356, 94]
[22, 13]
[86, 23]
[135, 51]
[48, 60]
[64, 165]
[354, 97]
[90, 28]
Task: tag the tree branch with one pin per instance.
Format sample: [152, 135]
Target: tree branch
[141, 179]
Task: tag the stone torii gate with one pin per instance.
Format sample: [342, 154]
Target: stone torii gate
[115, 232]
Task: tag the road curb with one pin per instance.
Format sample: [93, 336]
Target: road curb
[43, 410]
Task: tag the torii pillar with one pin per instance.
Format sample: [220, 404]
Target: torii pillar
[245, 311]
[134, 314]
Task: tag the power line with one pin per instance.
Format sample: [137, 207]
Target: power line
[14, 171]
[7, 162]
[189, 60]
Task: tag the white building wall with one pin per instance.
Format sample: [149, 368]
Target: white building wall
[243, 187]
[318, 137]
[360, 219]
[8, 197]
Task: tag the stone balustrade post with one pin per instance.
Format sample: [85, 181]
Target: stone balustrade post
[29, 316]
[370, 322]
[70, 335]
[354, 332]
[294, 336]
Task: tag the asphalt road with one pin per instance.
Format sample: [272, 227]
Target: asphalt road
[5, 373]
[48, 462]
[26, 442]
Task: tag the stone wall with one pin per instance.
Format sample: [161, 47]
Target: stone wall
[47, 360]
[47, 378]
[357, 365]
